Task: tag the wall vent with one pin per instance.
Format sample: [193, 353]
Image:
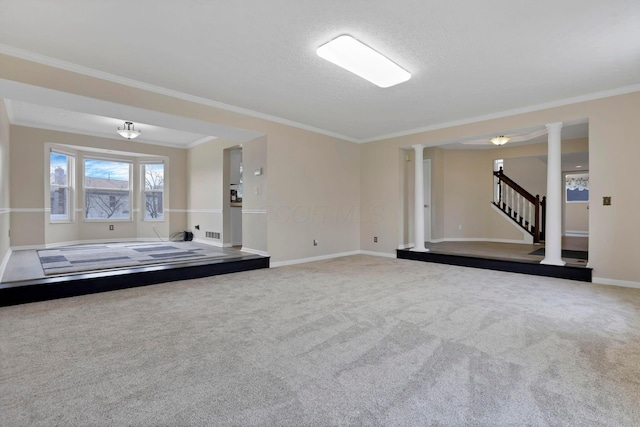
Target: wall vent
[212, 234]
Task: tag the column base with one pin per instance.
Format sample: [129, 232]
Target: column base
[419, 250]
[554, 261]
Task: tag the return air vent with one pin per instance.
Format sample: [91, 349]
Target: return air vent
[212, 234]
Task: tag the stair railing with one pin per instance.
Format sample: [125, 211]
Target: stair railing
[525, 209]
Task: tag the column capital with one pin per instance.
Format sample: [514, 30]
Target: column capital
[417, 147]
[554, 126]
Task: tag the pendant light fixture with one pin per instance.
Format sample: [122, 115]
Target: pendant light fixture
[499, 140]
[128, 131]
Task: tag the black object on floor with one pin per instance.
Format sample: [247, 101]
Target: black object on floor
[565, 253]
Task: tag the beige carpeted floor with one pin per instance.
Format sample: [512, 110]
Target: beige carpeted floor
[350, 341]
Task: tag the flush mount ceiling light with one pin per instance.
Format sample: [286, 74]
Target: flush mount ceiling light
[127, 131]
[360, 59]
[499, 140]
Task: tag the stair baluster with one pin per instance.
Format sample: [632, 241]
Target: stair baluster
[526, 210]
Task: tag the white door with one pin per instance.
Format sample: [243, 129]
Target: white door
[427, 199]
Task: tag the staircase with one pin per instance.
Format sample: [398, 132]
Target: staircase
[526, 210]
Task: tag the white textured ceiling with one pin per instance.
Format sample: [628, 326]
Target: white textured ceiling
[468, 59]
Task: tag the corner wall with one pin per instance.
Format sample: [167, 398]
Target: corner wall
[5, 205]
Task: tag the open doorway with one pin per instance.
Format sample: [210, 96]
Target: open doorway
[232, 214]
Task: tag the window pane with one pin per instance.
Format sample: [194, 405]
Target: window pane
[59, 205]
[154, 176]
[106, 174]
[153, 205]
[101, 204]
[59, 169]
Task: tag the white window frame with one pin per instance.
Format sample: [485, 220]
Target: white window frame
[128, 191]
[71, 158]
[143, 186]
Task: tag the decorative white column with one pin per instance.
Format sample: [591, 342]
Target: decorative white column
[553, 225]
[418, 217]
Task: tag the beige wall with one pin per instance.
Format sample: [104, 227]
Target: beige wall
[613, 145]
[528, 172]
[4, 184]
[576, 218]
[312, 176]
[314, 193]
[29, 159]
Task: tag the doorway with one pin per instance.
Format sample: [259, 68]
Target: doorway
[235, 196]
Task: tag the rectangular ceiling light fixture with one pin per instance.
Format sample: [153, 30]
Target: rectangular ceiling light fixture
[360, 59]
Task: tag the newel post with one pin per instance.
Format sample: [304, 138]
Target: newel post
[536, 237]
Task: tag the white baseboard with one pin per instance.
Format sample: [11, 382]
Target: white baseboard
[573, 233]
[209, 242]
[4, 263]
[480, 239]
[254, 251]
[27, 248]
[311, 259]
[380, 254]
[613, 282]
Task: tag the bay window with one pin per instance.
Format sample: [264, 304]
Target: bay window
[153, 191]
[107, 189]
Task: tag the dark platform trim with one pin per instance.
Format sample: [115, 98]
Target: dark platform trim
[12, 293]
[565, 272]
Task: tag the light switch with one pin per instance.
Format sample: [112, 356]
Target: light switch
[606, 201]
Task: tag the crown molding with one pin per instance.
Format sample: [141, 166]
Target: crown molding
[49, 61]
[537, 107]
[91, 72]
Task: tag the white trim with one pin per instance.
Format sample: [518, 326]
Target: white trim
[479, 239]
[4, 263]
[312, 259]
[614, 282]
[5, 210]
[408, 245]
[9, 108]
[380, 254]
[27, 248]
[28, 210]
[201, 141]
[254, 211]
[254, 251]
[209, 242]
[575, 233]
[526, 237]
[537, 107]
[46, 60]
[213, 211]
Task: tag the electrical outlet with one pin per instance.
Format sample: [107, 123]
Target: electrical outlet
[315, 242]
[375, 239]
[459, 226]
[111, 228]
